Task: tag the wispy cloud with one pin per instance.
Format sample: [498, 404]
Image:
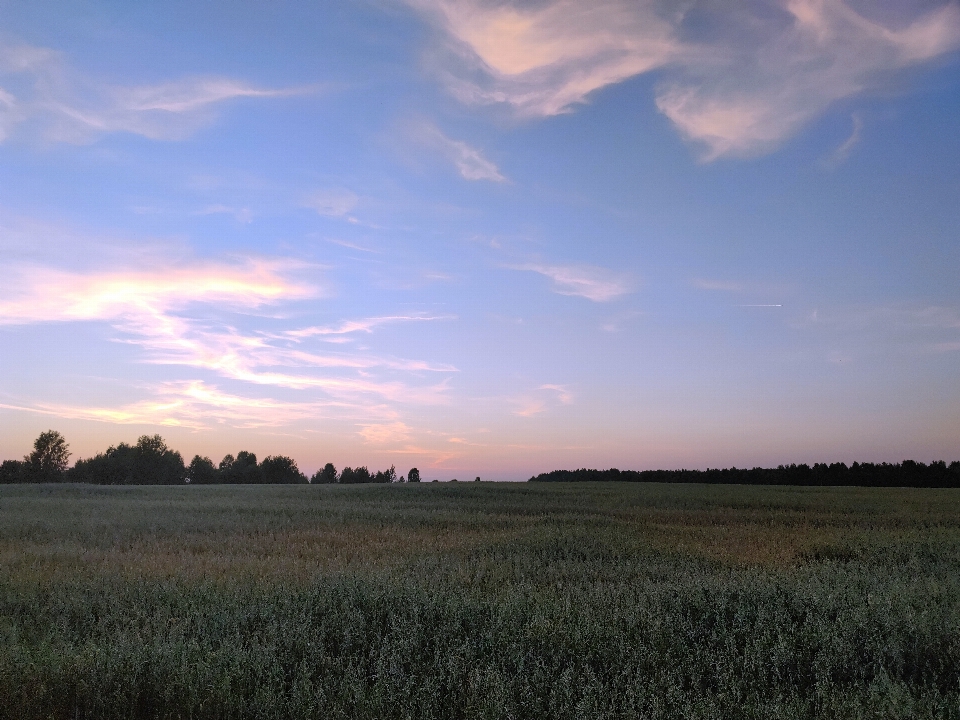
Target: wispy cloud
[721, 285]
[59, 104]
[191, 404]
[737, 80]
[843, 151]
[239, 214]
[545, 397]
[364, 325]
[386, 433]
[587, 281]
[176, 315]
[333, 202]
[35, 293]
[469, 161]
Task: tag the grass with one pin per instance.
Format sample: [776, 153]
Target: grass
[479, 601]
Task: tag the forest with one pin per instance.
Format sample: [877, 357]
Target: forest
[904, 474]
[151, 462]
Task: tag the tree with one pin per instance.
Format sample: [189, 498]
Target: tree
[12, 471]
[413, 475]
[242, 469]
[226, 463]
[202, 471]
[48, 461]
[326, 476]
[278, 470]
[156, 464]
[359, 475]
[385, 476]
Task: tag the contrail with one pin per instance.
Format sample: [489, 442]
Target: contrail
[759, 305]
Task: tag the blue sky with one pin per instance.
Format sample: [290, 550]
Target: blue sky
[483, 238]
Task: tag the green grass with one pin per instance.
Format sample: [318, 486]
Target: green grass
[479, 600]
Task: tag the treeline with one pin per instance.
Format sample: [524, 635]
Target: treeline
[151, 462]
[905, 474]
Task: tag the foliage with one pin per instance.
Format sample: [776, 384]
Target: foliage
[905, 474]
[413, 476]
[355, 476]
[479, 601]
[149, 462]
[351, 476]
[327, 475]
[277, 469]
[202, 471]
[240, 470]
[49, 459]
[13, 471]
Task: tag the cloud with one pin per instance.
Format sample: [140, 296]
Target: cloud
[364, 325]
[239, 214]
[587, 281]
[336, 203]
[842, 152]
[545, 397]
[469, 161]
[191, 404]
[178, 316]
[721, 285]
[737, 81]
[59, 104]
[542, 59]
[34, 293]
[386, 433]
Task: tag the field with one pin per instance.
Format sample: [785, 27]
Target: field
[479, 600]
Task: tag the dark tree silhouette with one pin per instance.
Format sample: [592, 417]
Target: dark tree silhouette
[326, 476]
[351, 476]
[156, 464]
[48, 461]
[277, 469]
[906, 474]
[413, 475]
[149, 462]
[385, 476]
[202, 471]
[240, 470]
[12, 471]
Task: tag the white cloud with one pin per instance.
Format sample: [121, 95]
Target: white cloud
[192, 404]
[178, 316]
[58, 104]
[364, 325]
[332, 202]
[386, 433]
[469, 161]
[843, 151]
[543, 58]
[721, 285]
[737, 80]
[588, 281]
[544, 398]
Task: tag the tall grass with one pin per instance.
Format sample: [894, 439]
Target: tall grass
[479, 601]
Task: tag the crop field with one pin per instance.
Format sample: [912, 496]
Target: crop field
[477, 600]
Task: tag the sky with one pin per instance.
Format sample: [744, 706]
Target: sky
[483, 237]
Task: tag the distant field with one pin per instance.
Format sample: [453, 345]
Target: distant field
[479, 600]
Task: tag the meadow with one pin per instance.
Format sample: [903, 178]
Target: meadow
[479, 600]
